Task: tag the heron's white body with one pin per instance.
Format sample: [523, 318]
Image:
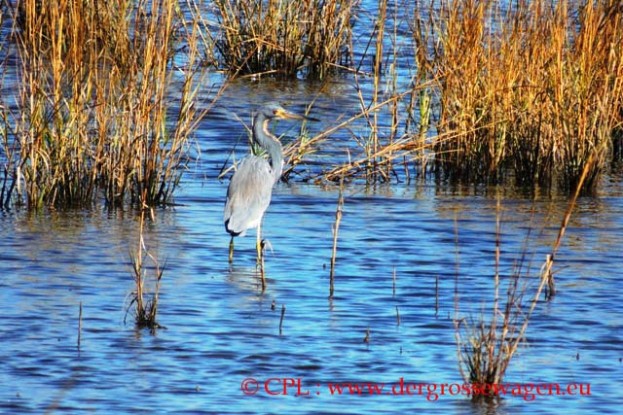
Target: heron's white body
[248, 195]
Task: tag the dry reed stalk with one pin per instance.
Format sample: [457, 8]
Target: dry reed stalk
[394, 283]
[384, 157]
[284, 38]
[391, 89]
[146, 310]
[546, 270]
[491, 345]
[261, 246]
[295, 152]
[372, 146]
[8, 149]
[336, 228]
[421, 93]
[79, 326]
[283, 313]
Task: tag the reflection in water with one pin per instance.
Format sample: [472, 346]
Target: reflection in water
[246, 279]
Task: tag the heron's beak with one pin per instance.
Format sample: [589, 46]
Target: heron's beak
[292, 116]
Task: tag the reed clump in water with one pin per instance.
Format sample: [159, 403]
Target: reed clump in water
[491, 344]
[146, 305]
[286, 38]
[95, 87]
[530, 95]
[500, 94]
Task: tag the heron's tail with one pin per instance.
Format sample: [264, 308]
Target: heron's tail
[231, 232]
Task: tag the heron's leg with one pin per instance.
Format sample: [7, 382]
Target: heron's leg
[260, 255]
[231, 250]
[258, 248]
[262, 275]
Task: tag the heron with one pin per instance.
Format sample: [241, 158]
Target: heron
[250, 188]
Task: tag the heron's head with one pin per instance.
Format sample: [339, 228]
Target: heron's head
[275, 110]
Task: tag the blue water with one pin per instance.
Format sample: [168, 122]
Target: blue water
[220, 328]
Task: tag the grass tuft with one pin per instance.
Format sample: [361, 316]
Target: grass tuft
[492, 343]
[284, 38]
[146, 305]
[533, 93]
[96, 83]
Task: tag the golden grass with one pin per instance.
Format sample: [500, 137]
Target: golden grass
[339, 211]
[95, 86]
[284, 38]
[520, 95]
[537, 92]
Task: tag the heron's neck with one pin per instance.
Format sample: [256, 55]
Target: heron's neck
[269, 143]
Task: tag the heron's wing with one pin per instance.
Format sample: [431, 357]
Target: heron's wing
[248, 195]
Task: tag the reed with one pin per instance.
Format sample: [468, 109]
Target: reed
[484, 358]
[492, 343]
[533, 94]
[379, 147]
[284, 38]
[372, 145]
[394, 283]
[96, 84]
[382, 143]
[499, 94]
[8, 169]
[370, 165]
[336, 229]
[145, 303]
[78, 342]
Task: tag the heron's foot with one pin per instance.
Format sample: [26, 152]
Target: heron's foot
[266, 244]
